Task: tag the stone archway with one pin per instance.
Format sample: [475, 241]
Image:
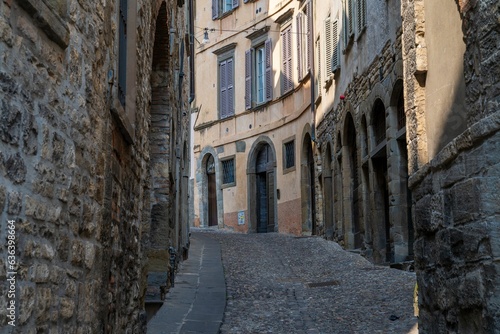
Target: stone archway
[211, 191]
[308, 189]
[400, 205]
[328, 192]
[261, 174]
[383, 250]
[351, 185]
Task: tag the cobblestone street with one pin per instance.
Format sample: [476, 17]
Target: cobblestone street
[284, 284]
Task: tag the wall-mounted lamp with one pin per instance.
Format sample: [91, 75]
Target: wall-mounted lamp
[205, 37]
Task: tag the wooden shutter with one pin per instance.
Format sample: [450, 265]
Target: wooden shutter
[350, 17]
[318, 68]
[287, 59]
[309, 36]
[230, 87]
[361, 15]
[248, 79]
[269, 70]
[298, 19]
[215, 9]
[235, 3]
[223, 89]
[335, 62]
[328, 47]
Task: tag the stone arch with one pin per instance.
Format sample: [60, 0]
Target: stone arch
[203, 187]
[351, 184]
[337, 189]
[400, 196]
[382, 245]
[262, 173]
[307, 183]
[327, 174]
[165, 231]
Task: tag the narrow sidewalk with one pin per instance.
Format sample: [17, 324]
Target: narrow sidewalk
[197, 302]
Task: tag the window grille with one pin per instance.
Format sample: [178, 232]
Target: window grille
[290, 154]
[228, 171]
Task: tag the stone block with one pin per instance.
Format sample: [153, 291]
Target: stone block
[27, 303]
[10, 123]
[16, 169]
[43, 303]
[48, 20]
[67, 308]
[15, 203]
[3, 197]
[423, 211]
[465, 195]
[40, 273]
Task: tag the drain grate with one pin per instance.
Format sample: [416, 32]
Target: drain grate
[322, 284]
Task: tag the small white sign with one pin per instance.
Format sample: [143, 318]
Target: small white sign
[241, 217]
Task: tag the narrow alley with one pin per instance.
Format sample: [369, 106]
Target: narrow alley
[284, 284]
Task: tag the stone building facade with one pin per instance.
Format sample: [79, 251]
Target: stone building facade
[361, 131]
[452, 71]
[93, 155]
[253, 126]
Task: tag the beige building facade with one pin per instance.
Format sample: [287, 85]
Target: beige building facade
[253, 154]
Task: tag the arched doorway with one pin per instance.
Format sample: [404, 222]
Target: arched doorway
[383, 251]
[328, 193]
[352, 190]
[212, 191]
[265, 186]
[308, 190]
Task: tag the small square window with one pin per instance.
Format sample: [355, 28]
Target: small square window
[228, 172]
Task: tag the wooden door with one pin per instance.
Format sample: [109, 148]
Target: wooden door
[262, 203]
[270, 199]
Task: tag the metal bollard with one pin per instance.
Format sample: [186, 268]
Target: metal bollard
[173, 256]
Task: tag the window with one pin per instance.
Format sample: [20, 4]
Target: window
[221, 7]
[286, 59]
[304, 49]
[335, 63]
[228, 172]
[348, 22]
[226, 88]
[361, 15]
[318, 67]
[289, 155]
[122, 52]
[332, 61]
[258, 75]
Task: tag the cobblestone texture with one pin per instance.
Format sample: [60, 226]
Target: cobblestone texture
[283, 284]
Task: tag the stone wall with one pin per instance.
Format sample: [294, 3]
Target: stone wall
[75, 164]
[455, 201]
[374, 217]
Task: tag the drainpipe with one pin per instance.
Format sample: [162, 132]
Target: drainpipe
[312, 75]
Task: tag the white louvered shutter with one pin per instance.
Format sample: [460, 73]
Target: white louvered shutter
[335, 62]
[328, 47]
[269, 70]
[298, 20]
[309, 36]
[248, 79]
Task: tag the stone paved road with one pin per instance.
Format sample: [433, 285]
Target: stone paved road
[285, 284]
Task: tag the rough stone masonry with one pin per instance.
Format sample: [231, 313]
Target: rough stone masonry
[75, 170]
